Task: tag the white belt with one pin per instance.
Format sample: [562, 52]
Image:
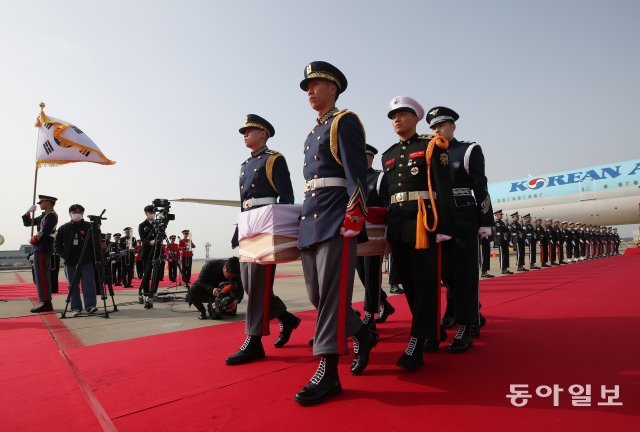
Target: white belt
[320, 183]
[252, 202]
[461, 191]
[410, 196]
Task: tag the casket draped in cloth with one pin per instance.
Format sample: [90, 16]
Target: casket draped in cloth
[269, 234]
[376, 223]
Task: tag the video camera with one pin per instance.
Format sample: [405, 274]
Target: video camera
[162, 207]
[97, 220]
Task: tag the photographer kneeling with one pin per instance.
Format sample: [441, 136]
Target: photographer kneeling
[68, 244]
[217, 282]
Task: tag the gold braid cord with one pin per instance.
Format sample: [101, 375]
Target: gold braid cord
[269, 167]
[333, 133]
[421, 240]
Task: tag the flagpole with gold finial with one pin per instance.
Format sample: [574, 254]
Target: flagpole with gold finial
[35, 180]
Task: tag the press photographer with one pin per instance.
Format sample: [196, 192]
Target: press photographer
[69, 243]
[218, 283]
[152, 232]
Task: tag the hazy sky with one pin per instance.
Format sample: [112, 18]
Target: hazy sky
[163, 86]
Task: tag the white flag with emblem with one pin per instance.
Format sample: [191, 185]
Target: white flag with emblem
[60, 142]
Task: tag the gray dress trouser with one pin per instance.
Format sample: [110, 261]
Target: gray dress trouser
[263, 305]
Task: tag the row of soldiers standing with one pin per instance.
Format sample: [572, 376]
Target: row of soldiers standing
[560, 243]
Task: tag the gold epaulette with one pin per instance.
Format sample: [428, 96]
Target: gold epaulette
[426, 137]
[333, 133]
[271, 160]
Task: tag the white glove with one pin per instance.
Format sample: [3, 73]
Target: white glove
[348, 233]
[442, 238]
[32, 209]
[152, 242]
[484, 232]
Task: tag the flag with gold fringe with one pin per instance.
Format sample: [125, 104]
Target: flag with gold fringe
[60, 142]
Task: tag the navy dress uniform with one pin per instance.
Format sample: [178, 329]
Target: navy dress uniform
[473, 216]
[501, 241]
[115, 259]
[128, 258]
[543, 241]
[530, 240]
[369, 268]
[42, 243]
[418, 189]
[561, 240]
[552, 235]
[334, 205]
[567, 234]
[518, 239]
[264, 180]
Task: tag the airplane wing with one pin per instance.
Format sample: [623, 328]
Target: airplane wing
[228, 203]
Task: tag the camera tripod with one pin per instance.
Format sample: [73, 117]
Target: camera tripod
[153, 268]
[93, 239]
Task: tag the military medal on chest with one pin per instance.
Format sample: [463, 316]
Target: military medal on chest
[415, 170]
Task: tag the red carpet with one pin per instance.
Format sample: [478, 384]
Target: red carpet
[575, 324]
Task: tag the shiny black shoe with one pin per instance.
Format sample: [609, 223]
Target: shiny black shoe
[546, 265]
[432, 345]
[44, 307]
[474, 331]
[483, 320]
[202, 315]
[447, 322]
[250, 350]
[507, 272]
[523, 269]
[411, 359]
[148, 303]
[462, 340]
[385, 310]
[324, 384]
[363, 342]
[533, 267]
[288, 323]
[487, 275]
[396, 289]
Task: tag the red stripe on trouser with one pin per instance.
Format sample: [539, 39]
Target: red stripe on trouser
[342, 296]
[438, 300]
[268, 289]
[43, 276]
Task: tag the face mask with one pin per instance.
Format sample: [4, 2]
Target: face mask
[151, 216]
[76, 217]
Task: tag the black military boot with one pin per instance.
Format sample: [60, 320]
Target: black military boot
[385, 310]
[432, 345]
[411, 359]
[474, 331]
[523, 269]
[288, 323]
[46, 306]
[487, 275]
[369, 321]
[323, 384]
[462, 340]
[447, 322]
[363, 342]
[507, 271]
[250, 350]
[396, 289]
[148, 302]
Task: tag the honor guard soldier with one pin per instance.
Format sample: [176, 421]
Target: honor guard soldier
[173, 255]
[417, 186]
[543, 241]
[333, 215]
[127, 244]
[115, 259]
[264, 180]
[575, 242]
[501, 241]
[138, 253]
[552, 234]
[147, 234]
[616, 241]
[567, 234]
[42, 243]
[369, 268]
[485, 256]
[473, 216]
[560, 238]
[530, 240]
[186, 255]
[518, 240]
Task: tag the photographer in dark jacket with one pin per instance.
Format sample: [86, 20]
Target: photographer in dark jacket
[207, 287]
[68, 244]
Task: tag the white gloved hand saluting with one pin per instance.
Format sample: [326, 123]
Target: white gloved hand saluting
[484, 232]
[348, 233]
[442, 238]
[32, 209]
